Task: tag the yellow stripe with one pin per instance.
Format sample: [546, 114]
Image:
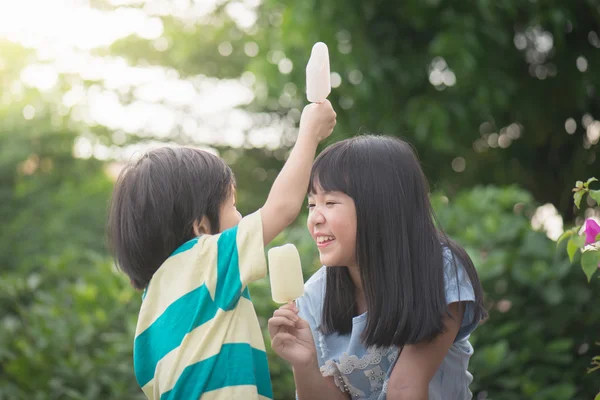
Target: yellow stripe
[239, 325]
[149, 391]
[246, 392]
[251, 249]
[178, 276]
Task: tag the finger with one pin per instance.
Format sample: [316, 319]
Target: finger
[301, 324]
[289, 306]
[324, 104]
[282, 338]
[286, 313]
[278, 322]
[293, 305]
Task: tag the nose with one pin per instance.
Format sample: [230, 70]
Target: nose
[315, 217]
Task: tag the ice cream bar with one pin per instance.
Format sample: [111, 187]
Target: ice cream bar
[285, 272]
[318, 80]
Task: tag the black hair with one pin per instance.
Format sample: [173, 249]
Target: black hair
[399, 250]
[156, 202]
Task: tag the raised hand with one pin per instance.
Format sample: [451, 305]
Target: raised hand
[318, 120]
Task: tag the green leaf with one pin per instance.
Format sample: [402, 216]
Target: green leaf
[579, 184]
[589, 263]
[565, 235]
[579, 240]
[595, 194]
[587, 184]
[597, 397]
[571, 249]
[577, 197]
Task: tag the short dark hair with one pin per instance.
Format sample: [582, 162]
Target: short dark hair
[156, 202]
[399, 250]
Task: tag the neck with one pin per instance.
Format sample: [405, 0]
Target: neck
[355, 277]
[359, 294]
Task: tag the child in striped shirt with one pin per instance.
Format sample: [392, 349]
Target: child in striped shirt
[175, 231]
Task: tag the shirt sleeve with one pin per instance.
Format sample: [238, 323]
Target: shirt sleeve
[240, 260]
[458, 287]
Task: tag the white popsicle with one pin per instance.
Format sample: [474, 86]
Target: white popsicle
[318, 80]
[285, 272]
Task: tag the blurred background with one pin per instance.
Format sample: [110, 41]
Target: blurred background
[500, 99]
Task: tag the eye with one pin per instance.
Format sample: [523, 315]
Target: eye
[310, 206]
[330, 203]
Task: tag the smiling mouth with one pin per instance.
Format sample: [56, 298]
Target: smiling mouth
[323, 241]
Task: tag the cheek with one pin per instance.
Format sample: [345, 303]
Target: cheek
[343, 227]
[346, 231]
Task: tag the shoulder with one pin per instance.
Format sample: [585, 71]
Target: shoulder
[315, 285]
[458, 288]
[457, 283]
[318, 278]
[453, 267]
[245, 237]
[314, 290]
[252, 223]
[249, 227]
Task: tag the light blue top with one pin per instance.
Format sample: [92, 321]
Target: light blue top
[364, 372]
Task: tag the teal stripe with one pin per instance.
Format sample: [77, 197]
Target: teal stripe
[229, 285]
[231, 367]
[246, 293]
[167, 332]
[186, 246]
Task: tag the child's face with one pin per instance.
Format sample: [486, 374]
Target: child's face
[229, 216]
[332, 224]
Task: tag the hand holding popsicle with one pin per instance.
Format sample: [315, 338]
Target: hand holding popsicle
[291, 337]
[317, 120]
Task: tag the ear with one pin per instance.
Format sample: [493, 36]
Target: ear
[202, 227]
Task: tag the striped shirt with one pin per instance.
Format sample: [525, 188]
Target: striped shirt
[197, 334]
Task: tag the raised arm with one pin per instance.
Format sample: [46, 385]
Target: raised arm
[289, 189]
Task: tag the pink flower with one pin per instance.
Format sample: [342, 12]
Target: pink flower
[592, 230]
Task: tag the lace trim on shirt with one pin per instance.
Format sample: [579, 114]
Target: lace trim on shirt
[385, 386]
[343, 384]
[322, 345]
[349, 363]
